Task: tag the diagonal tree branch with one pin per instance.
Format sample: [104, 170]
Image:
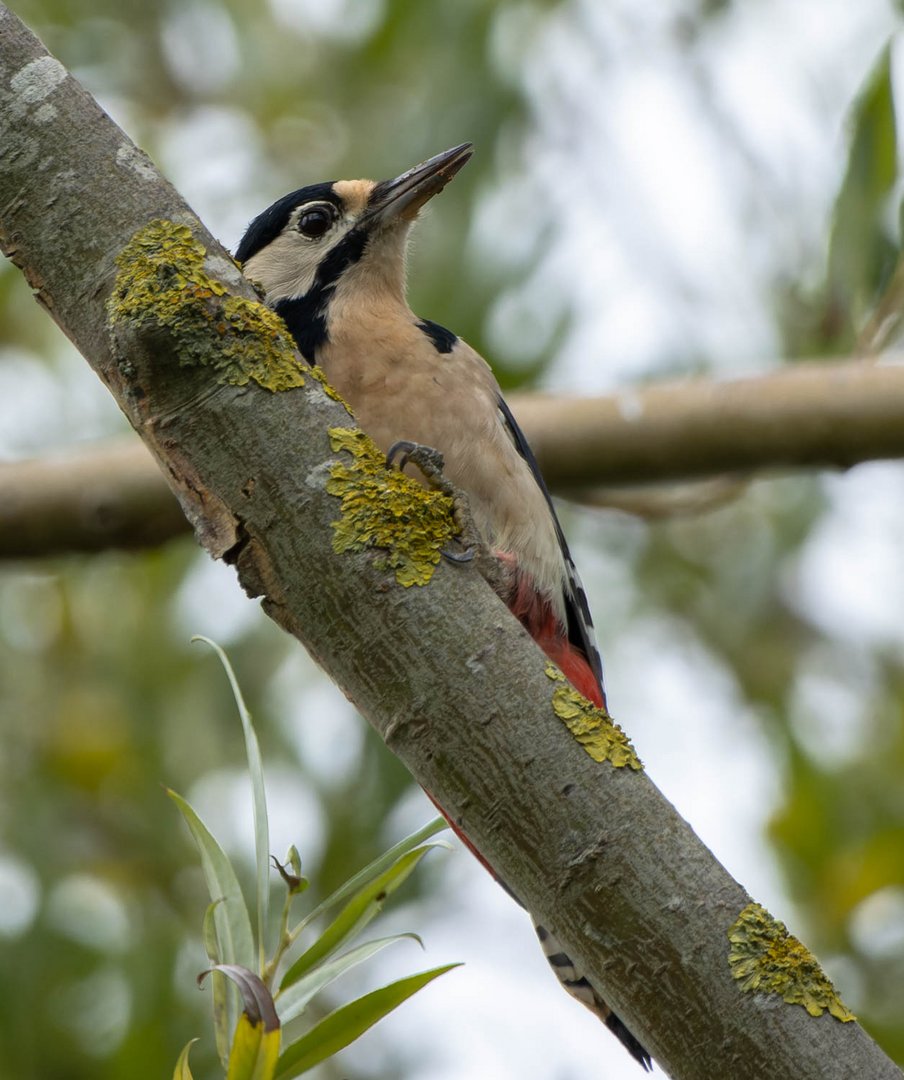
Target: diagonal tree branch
[444, 673]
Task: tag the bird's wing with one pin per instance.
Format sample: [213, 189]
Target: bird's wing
[580, 621]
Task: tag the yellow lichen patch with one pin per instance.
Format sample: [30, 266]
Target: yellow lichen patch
[593, 728]
[766, 959]
[162, 283]
[384, 509]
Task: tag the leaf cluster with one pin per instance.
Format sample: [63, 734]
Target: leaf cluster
[275, 991]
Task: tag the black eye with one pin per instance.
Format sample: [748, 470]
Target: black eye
[315, 222]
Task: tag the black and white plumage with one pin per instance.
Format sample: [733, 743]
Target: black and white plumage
[331, 258]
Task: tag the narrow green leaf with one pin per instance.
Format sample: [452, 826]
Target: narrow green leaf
[182, 1071]
[347, 1023]
[861, 251]
[225, 1011]
[259, 803]
[255, 1051]
[291, 1002]
[357, 913]
[235, 944]
[372, 869]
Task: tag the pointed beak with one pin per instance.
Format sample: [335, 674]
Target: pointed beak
[402, 198]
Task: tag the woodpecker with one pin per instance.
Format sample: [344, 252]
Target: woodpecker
[331, 260]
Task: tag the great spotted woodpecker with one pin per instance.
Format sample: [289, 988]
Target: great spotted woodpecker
[331, 260]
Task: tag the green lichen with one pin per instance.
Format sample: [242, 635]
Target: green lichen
[766, 959]
[384, 509]
[162, 283]
[593, 728]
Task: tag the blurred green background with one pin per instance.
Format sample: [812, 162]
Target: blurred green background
[658, 188]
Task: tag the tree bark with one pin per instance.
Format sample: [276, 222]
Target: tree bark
[443, 672]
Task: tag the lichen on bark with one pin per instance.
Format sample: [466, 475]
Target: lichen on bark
[766, 959]
[163, 283]
[386, 510]
[593, 728]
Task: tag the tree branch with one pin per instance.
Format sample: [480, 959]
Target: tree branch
[444, 673]
[807, 415]
[106, 495]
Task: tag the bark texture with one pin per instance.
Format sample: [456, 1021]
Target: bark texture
[449, 679]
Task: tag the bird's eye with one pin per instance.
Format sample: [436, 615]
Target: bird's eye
[315, 222]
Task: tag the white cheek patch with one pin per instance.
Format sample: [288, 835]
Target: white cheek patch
[287, 267]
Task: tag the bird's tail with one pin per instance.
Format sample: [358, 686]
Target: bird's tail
[573, 981]
[580, 988]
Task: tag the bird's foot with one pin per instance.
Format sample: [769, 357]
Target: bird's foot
[430, 463]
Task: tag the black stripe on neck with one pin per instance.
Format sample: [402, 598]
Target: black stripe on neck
[305, 315]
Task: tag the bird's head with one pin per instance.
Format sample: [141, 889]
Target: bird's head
[309, 240]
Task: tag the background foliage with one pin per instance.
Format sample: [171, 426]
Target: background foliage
[658, 188]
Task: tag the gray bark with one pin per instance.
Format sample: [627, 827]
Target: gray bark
[444, 673]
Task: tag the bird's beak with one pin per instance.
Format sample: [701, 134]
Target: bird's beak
[401, 198]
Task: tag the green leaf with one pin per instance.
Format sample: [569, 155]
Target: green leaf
[357, 913]
[861, 251]
[234, 940]
[347, 1023]
[259, 803]
[224, 1011]
[291, 1002]
[226, 924]
[182, 1071]
[372, 869]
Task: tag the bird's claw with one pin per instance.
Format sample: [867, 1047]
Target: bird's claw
[459, 556]
[430, 463]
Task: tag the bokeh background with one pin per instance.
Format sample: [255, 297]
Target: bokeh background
[659, 187]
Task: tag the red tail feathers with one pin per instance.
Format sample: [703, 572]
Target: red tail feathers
[536, 615]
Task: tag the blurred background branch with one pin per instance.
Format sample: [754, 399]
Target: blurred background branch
[816, 415]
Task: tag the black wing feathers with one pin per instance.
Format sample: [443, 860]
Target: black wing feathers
[580, 622]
